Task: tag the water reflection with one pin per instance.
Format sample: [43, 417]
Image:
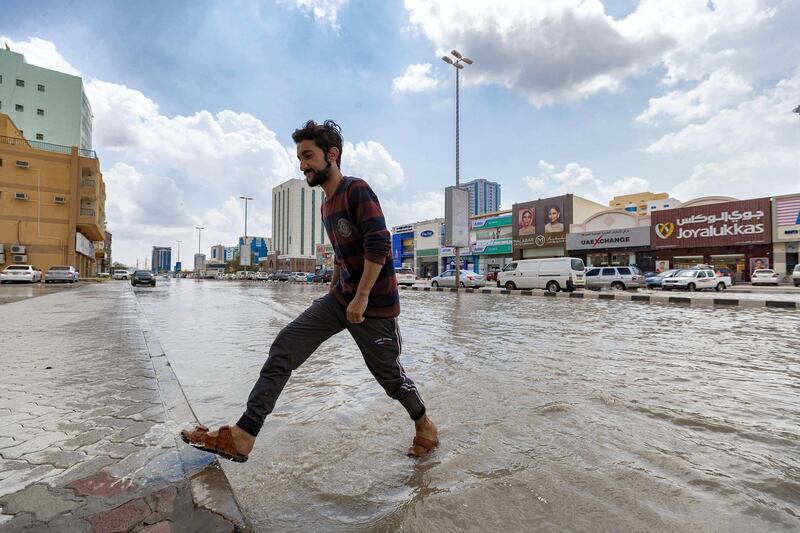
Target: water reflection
[555, 414]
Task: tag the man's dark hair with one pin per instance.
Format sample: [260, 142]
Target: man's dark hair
[326, 136]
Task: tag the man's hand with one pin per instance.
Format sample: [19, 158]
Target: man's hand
[355, 311]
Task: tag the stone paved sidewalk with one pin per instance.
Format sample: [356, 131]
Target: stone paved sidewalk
[89, 411]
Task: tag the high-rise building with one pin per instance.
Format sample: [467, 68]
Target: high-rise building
[637, 202]
[45, 105]
[484, 196]
[296, 220]
[252, 250]
[52, 203]
[161, 260]
[218, 253]
[231, 253]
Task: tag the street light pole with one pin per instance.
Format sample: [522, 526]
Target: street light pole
[179, 251]
[199, 230]
[246, 199]
[458, 63]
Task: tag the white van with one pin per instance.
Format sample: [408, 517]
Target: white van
[557, 274]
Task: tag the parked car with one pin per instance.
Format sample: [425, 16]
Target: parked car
[617, 278]
[309, 277]
[405, 276]
[262, 276]
[553, 275]
[655, 280]
[61, 274]
[492, 275]
[724, 271]
[467, 278]
[298, 277]
[765, 276]
[250, 275]
[796, 276]
[120, 273]
[323, 276]
[14, 273]
[143, 277]
[284, 275]
[696, 279]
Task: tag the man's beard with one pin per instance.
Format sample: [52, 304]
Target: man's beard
[318, 177]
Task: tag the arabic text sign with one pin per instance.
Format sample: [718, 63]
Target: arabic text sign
[615, 238]
[723, 224]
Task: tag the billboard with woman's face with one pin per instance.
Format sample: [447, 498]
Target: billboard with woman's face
[542, 223]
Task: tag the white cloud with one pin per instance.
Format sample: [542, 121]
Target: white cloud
[417, 78]
[326, 11]
[372, 162]
[422, 206]
[565, 50]
[40, 53]
[720, 90]
[581, 181]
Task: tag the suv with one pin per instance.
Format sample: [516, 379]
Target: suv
[120, 274]
[796, 276]
[617, 278]
[696, 279]
[143, 277]
[405, 276]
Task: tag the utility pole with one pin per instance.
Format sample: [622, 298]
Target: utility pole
[246, 199]
[199, 231]
[179, 252]
[458, 64]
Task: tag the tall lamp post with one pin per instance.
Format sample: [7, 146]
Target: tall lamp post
[246, 199]
[457, 61]
[179, 251]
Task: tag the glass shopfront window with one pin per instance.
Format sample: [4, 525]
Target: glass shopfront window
[623, 259]
[733, 262]
[596, 260]
[687, 261]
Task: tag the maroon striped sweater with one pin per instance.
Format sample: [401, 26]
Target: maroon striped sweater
[357, 230]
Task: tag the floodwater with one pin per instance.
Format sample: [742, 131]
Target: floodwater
[555, 414]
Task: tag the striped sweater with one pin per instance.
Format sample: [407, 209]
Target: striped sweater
[356, 228]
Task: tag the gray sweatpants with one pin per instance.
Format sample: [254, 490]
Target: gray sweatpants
[378, 339]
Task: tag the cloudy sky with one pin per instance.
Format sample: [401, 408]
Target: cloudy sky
[195, 102]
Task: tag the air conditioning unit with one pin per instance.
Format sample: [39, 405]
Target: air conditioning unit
[20, 196]
[23, 164]
[1, 248]
[60, 199]
[20, 258]
[17, 249]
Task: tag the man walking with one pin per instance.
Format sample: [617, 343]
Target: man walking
[363, 299]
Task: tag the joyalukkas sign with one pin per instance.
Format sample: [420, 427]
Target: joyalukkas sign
[723, 224]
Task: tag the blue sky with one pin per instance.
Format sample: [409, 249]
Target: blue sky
[195, 102]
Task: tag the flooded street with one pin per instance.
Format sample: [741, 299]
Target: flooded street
[555, 414]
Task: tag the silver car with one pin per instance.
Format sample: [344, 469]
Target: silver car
[468, 278]
[617, 278]
[796, 276]
[61, 274]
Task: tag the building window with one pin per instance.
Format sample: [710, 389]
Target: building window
[19, 107]
[40, 88]
[40, 112]
[20, 83]
[39, 136]
[1, 78]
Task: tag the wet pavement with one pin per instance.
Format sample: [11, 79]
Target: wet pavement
[15, 292]
[89, 411]
[555, 414]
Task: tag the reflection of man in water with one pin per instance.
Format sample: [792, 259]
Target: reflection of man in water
[526, 225]
[554, 216]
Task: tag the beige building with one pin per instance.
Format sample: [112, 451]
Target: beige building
[636, 203]
[52, 204]
[296, 220]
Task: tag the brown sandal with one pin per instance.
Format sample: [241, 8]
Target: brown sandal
[423, 443]
[221, 445]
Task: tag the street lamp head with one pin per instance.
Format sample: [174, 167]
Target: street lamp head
[456, 53]
[466, 60]
[796, 110]
[447, 59]
[458, 66]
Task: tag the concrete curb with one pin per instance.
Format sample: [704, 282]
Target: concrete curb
[685, 300]
[210, 487]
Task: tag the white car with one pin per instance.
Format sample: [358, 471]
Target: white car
[121, 274]
[796, 276]
[26, 273]
[696, 279]
[298, 277]
[61, 274]
[764, 276]
[262, 276]
[466, 278]
[405, 276]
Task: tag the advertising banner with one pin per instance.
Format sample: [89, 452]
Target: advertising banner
[83, 245]
[493, 222]
[615, 238]
[757, 263]
[428, 235]
[542, 223]
[787, 218]
[456, 217]
[723, 224]
[491, 247]
[244, 251]
[505, 232]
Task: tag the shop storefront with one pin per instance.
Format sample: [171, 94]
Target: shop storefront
[612, 237]
[403, 245]
[490, 240]
[786, 232]
[447, 257]
[427, 241]
[733, 234]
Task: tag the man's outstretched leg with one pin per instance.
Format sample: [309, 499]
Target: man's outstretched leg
[293, 345]
[380, 343]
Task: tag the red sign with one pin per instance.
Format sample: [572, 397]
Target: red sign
[723, 224]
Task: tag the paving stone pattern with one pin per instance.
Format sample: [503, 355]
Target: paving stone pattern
[85, 444]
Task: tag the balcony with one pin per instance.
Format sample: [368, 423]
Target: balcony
[90, 224]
